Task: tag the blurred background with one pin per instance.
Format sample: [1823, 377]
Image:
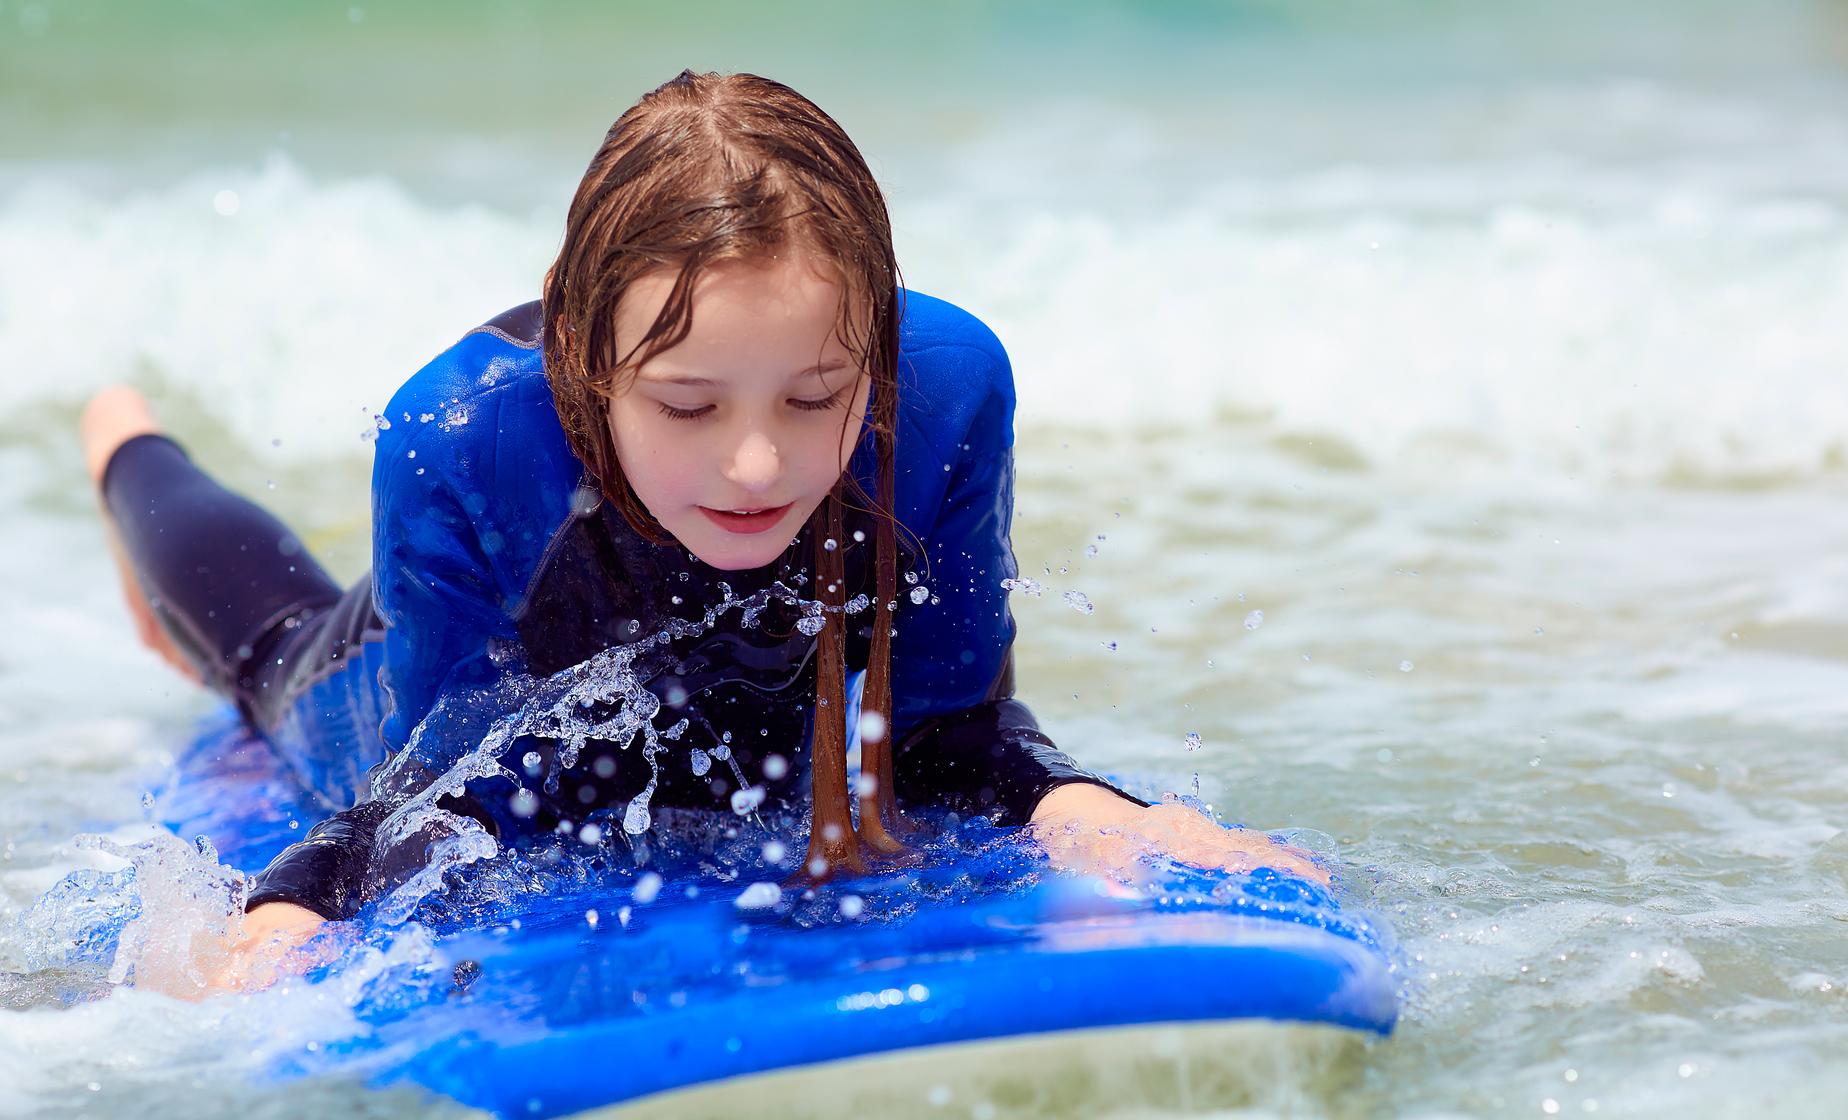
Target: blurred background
[1441, 403]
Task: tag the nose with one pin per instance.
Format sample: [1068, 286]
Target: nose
[755, 464]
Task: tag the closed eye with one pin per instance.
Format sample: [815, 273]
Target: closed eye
[836, 400]
[832, 400]
[683, 413]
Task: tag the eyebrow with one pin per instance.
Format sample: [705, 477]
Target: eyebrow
[687, 379]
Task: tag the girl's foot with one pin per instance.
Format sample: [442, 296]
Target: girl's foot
[112, 418]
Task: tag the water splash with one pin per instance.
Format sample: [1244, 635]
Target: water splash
[604, 699]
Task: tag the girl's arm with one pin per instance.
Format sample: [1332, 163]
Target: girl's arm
[962, 740]
[438, 593]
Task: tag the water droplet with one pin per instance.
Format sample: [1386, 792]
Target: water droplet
[635, 819]
[702, 762]
[590, 834]
[531, 761]
[1090, 550]
[919, 594]
[590, 918]
[774, 851]
[524, 803]
[1406, 666]
[759, 896]
[852, 906]
[830, 545]
[1077, 601]
[1193, 740]
[775, 766]
[1025, 585]
[646, 888]
[745, 801]
[227, 203]
[872, 727]
[1254, 620]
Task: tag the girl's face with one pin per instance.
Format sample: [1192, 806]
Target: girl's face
[733, 436]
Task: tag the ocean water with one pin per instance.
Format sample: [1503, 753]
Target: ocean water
[1442, 404]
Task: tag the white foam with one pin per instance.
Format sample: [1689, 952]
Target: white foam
[1692, 337]
[1564, 317]
[283, 305]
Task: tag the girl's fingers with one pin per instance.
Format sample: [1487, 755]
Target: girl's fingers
[1178, 833]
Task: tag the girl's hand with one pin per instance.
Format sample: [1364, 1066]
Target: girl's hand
[1089, 829]
[273, 935]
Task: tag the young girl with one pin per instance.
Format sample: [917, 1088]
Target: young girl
[723, 411]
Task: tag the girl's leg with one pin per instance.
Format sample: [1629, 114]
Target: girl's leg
[112, 418]
[208, 575]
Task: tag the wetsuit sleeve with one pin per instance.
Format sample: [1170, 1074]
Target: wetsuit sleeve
[326, 871]
[436, 592]
[963, 741]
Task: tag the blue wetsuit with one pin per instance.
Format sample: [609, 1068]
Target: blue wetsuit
[495, 560]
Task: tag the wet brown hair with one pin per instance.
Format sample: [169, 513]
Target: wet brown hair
[710, 169]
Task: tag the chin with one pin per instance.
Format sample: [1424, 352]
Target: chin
[737, 560]
[738, 555]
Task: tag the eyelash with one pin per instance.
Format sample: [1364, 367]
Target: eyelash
[695, 413]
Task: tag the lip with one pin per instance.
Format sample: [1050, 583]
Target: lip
[745, 524]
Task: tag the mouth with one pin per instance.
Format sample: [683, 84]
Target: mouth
[746, 521]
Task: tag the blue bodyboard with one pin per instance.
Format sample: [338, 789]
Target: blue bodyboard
[562, 983]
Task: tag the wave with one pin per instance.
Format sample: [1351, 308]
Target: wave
[1397, 315]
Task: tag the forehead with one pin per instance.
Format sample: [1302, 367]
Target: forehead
[780, 314]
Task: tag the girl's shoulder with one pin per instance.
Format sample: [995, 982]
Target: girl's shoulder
[498, 365]
[953, 374]
[930, 324]
[476, 429]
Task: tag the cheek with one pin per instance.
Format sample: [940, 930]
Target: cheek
[640, 453]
